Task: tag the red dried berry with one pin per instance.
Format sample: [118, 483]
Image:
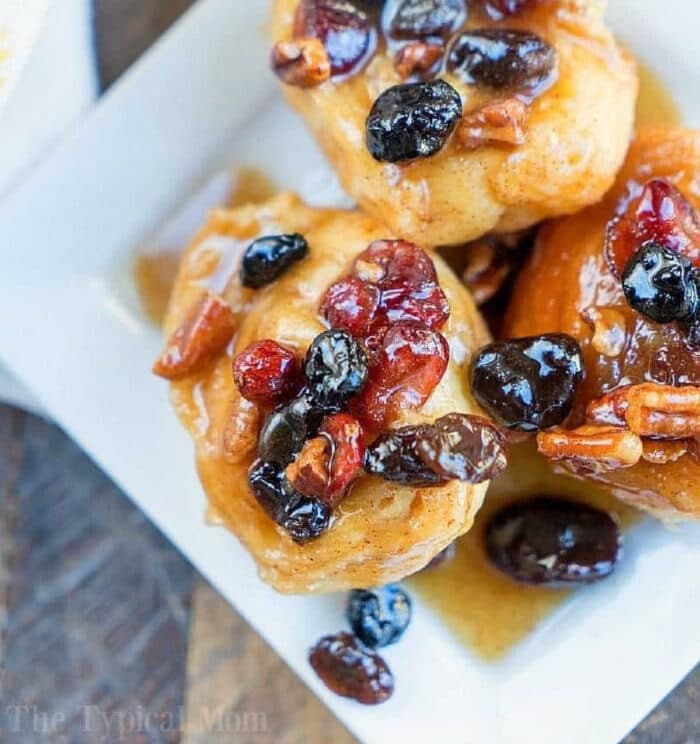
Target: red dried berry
[658, 214]
[351, 304]
[394, 260]
[266, 373]
[422, 303]
[406, 369]
[345, 30]
[349, 669]
[347, 455]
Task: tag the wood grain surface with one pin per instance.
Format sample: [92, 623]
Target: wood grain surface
[107, 633]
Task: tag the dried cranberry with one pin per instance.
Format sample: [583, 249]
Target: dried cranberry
[347, 454]
[528, 383]
[351, 304]
[379, 617]
[423, 303]
[266, 372]
[553, 541]
[407, 367]
[501, 59]
[394, 261]
[304, 518]
[344, 28]
[416, 19]
[395, 456]
[349, 669]
[465, 448]
[498, 9]
[267, 258]
[413, 120]
[659, 214]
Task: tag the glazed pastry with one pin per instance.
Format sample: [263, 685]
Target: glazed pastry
[448, 122]
[322, 372]
[623, 279]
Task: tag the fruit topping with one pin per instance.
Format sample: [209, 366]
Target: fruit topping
[349, 669]
[499, 9]
[336, 369]
[502, 59]
[395, 456]
[343, 27]
[266, 373]
[351, 304]
[206, 332]
[554, 541]
[528, 383]
[267, 258]
[379, 617]
[417, 19]
[286, 429]
[412, 120]
[303, 62]
[661, 284]
[656, 213]
[394, 261]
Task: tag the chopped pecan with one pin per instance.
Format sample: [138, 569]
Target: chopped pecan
[594, 449]
[207, 330]
[500, 122]
[417, 58]
[309, 473]
[611, 409]
[347, 439]
[694, 449]
[663, 411]
[302, 62]
[659, 452]
[486, 270]
[240, 437]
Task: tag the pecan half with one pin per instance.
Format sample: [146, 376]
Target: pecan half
[486, 270]
[207, 330]
[240, 437]
[417, 58]
[309, 473]
[303, 63]
[610, 409]
[595, 449]
[500, 122]
[659, 452]
[663, 411]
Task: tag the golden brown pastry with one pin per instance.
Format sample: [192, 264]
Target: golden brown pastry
[522, 113]
[381, 530]
[622, 278]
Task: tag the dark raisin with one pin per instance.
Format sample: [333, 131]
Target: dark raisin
[660, 284]
[501, 59]
[344, 28]
[416, 19]
[304, 518]
[266, 259]
[351, 670]
[266, 372]
[336, 368]
[412, 120]
[395, 456]
[553, 541]
[379, 617]
[286, 429]
[465, 448]
[498, 9]
[528, 383]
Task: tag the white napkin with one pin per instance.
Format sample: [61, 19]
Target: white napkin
[57, 85]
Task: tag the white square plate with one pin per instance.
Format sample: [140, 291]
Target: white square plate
[70, 328]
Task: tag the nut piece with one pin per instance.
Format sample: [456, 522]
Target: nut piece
[663, 411]
[240, 437]
[611, 409]
[694, 449]
[309, 472]
[500, 122]
[207, 330]
[417, 58]
[302, 62]
[592, 449]
[659, 452]
[486, 270]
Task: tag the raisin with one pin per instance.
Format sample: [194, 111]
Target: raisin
[660, 284]
[304, 518]
[412, 120]
[417, 19]
[336, 368]
[499, 9]
[553, 541]
[344, 28]
[659, 213]
[528, 383]
[410, 361]
[379, 617]
[395, 456]
[351, 670]
[347, 455]
[267, 258]
[286, 429]
[501, 59]
[351, 304]
[266, 373]
[465, 448]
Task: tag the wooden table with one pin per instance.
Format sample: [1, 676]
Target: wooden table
[105, 626]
